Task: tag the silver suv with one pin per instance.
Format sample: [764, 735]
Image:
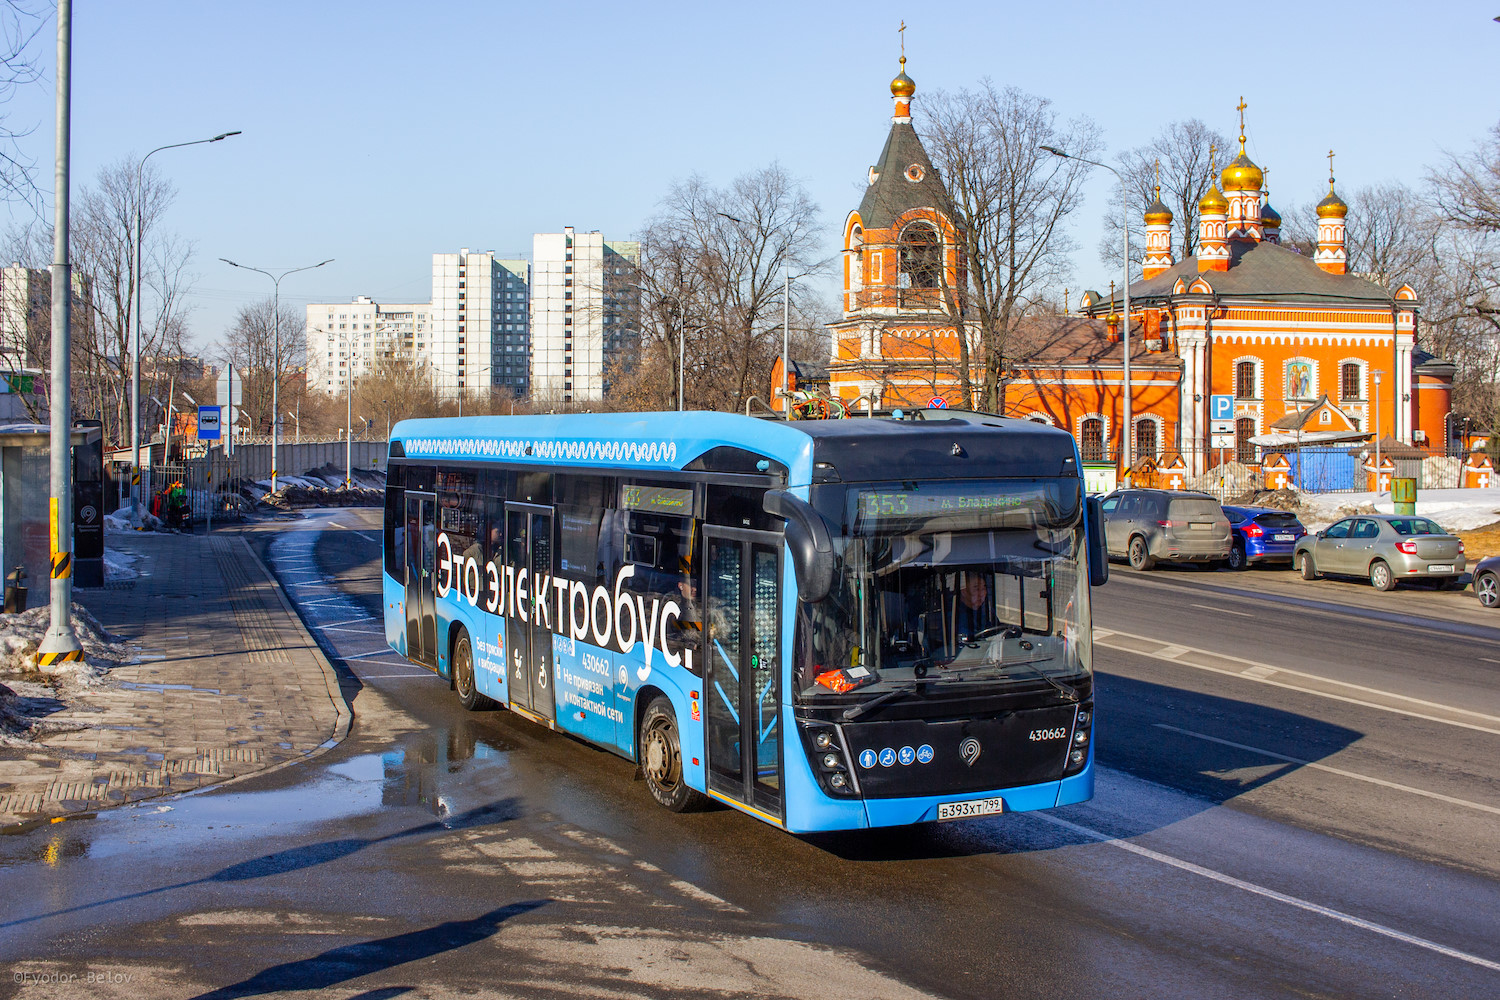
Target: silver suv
[1147, 526]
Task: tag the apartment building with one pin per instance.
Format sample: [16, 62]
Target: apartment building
[585, 304]
[349, 338]
[481, 326]
[26, 314]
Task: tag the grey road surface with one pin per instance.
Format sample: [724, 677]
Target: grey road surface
[1293, 800]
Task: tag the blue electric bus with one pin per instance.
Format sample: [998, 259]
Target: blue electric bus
[828, 624]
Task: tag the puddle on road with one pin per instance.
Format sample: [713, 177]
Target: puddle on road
[456, 777]
[161, 688]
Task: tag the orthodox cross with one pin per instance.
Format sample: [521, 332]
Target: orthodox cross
[902, 32]
[1241, 109]
[1213, 163]
[1158, 177]
[1330, 168]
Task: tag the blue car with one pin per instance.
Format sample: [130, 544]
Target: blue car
[1262, 535]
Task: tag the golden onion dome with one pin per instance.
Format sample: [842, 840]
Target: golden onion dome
[1242, 174]
[903, 85]
[1332, 207]
[1158, 214]
[1213, 203]
[1269, 217]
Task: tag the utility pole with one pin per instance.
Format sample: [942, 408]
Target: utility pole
[60, 644]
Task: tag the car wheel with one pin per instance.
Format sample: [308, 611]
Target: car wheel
[1381, 577]
[1305, 566]
[1487, 586]
[1237, 559]
[463, 675]
[1140, 556]
[661, 758]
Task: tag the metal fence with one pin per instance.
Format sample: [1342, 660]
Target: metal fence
[253, 461]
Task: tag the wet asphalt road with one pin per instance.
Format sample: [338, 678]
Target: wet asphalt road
[1317, 817]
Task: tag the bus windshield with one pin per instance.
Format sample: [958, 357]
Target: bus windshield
[978, 584]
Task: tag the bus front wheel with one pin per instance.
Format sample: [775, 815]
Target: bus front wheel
[463, 675]
[661, 758]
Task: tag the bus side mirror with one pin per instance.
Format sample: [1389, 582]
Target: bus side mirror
[807, 540]
[1094, 538]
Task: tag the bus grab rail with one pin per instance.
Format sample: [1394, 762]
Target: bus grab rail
[808, 541]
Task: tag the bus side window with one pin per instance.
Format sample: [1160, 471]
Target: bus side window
[395, 537]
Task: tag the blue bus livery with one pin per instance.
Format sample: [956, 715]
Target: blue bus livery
[827, 624]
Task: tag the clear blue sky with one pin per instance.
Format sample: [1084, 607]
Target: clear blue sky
[378, 133]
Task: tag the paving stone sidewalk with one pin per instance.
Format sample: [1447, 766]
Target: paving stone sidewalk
[228, 682]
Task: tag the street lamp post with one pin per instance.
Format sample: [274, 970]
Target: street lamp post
[135, 340]
[276, 355]
[1125, 328]
[299, 424]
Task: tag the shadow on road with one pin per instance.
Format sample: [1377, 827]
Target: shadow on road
[339, 965]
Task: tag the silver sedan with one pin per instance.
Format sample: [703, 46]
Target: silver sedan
[1386, 548]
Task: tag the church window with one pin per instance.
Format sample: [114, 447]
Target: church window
[1091, 439]
[1244, 430]
[921, 256]
[1145, 438]
[1244, 380]
[875, 270]
[1349, 381]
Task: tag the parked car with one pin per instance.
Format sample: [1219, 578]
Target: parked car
[1150, 526]
[1487, 581]
[1262, 535]
[1386, 548]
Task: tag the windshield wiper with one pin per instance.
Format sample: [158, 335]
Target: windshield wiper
[850, 714]
[1067, 692]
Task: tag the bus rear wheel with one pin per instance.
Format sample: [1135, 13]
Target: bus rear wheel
[660, 752]
[463, 675]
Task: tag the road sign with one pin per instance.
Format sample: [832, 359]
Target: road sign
[1222, 427]
[1222, 441]
[223, 391]
[937, 403]
[1221, 407]
[208, 423]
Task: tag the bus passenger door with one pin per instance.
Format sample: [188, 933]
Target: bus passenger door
[528, 636]
[742, 666]
[421, 563]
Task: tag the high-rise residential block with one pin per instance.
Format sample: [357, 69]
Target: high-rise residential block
[585, 306]
[480, 323]
[351, 337]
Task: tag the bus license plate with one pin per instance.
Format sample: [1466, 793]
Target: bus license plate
[1285, 538]
[1440, 569]
[963, 810]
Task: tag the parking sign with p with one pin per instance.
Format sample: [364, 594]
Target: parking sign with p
[1221, 407]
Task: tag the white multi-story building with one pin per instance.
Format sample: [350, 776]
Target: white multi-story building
[585, 303]
[350, 337]
[481, 327]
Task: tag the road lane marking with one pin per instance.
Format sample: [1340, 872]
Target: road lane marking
[362, 534]
[1334, 770]
[1260, 890]
[1223, 611]
[351, 621]
[1306, 683]
[1487, 659]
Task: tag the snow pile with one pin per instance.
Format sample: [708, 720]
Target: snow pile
[120, 565]
[21, 634]
[1455, 510]
[132, 518]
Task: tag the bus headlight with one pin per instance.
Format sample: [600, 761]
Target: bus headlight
[829, 758]
[1083, 733]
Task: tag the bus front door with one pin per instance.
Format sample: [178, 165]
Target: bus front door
[528, 632]
[421, 556]
[742, 666]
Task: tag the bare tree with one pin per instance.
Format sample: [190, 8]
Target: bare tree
[712, 277]
[250, 345]
[1389, 233]
[19, 26]
[1187, 169]
[1468, 187]
[1010, 202]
